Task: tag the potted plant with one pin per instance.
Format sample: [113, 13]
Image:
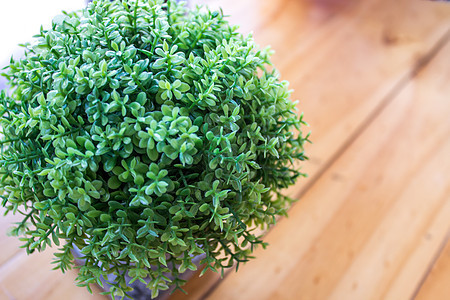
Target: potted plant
[145, 134]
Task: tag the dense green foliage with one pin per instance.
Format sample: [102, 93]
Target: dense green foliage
[145, 134]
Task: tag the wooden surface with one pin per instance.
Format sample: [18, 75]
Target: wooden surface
[355, 236]
[436, 285]
[373, 220]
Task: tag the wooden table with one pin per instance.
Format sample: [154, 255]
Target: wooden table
[373, 219]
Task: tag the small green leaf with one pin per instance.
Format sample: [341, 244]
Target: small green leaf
[70, 216]
[89, 145]
[105, 218]
[204, 207]
[114, 183]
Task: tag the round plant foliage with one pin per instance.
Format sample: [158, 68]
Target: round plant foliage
[145, 134]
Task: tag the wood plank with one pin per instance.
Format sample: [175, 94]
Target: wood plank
[325, 47]
[10, 245]
[4, 294]
[343, 58]
[31, 277]
[67, 290]
[365, 219]
[197, 286]
[436, 285]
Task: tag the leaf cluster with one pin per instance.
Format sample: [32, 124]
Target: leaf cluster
[145, 134]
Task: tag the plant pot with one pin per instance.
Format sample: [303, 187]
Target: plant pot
[140, 292]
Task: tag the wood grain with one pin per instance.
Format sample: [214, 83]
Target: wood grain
[437, 285]
[341, 57]
[26, 277]
[363, 223]
[9, 245]
[345, 59]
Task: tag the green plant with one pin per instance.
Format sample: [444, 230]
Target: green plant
[145, 134]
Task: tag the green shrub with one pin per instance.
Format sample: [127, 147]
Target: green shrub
[146, 134]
